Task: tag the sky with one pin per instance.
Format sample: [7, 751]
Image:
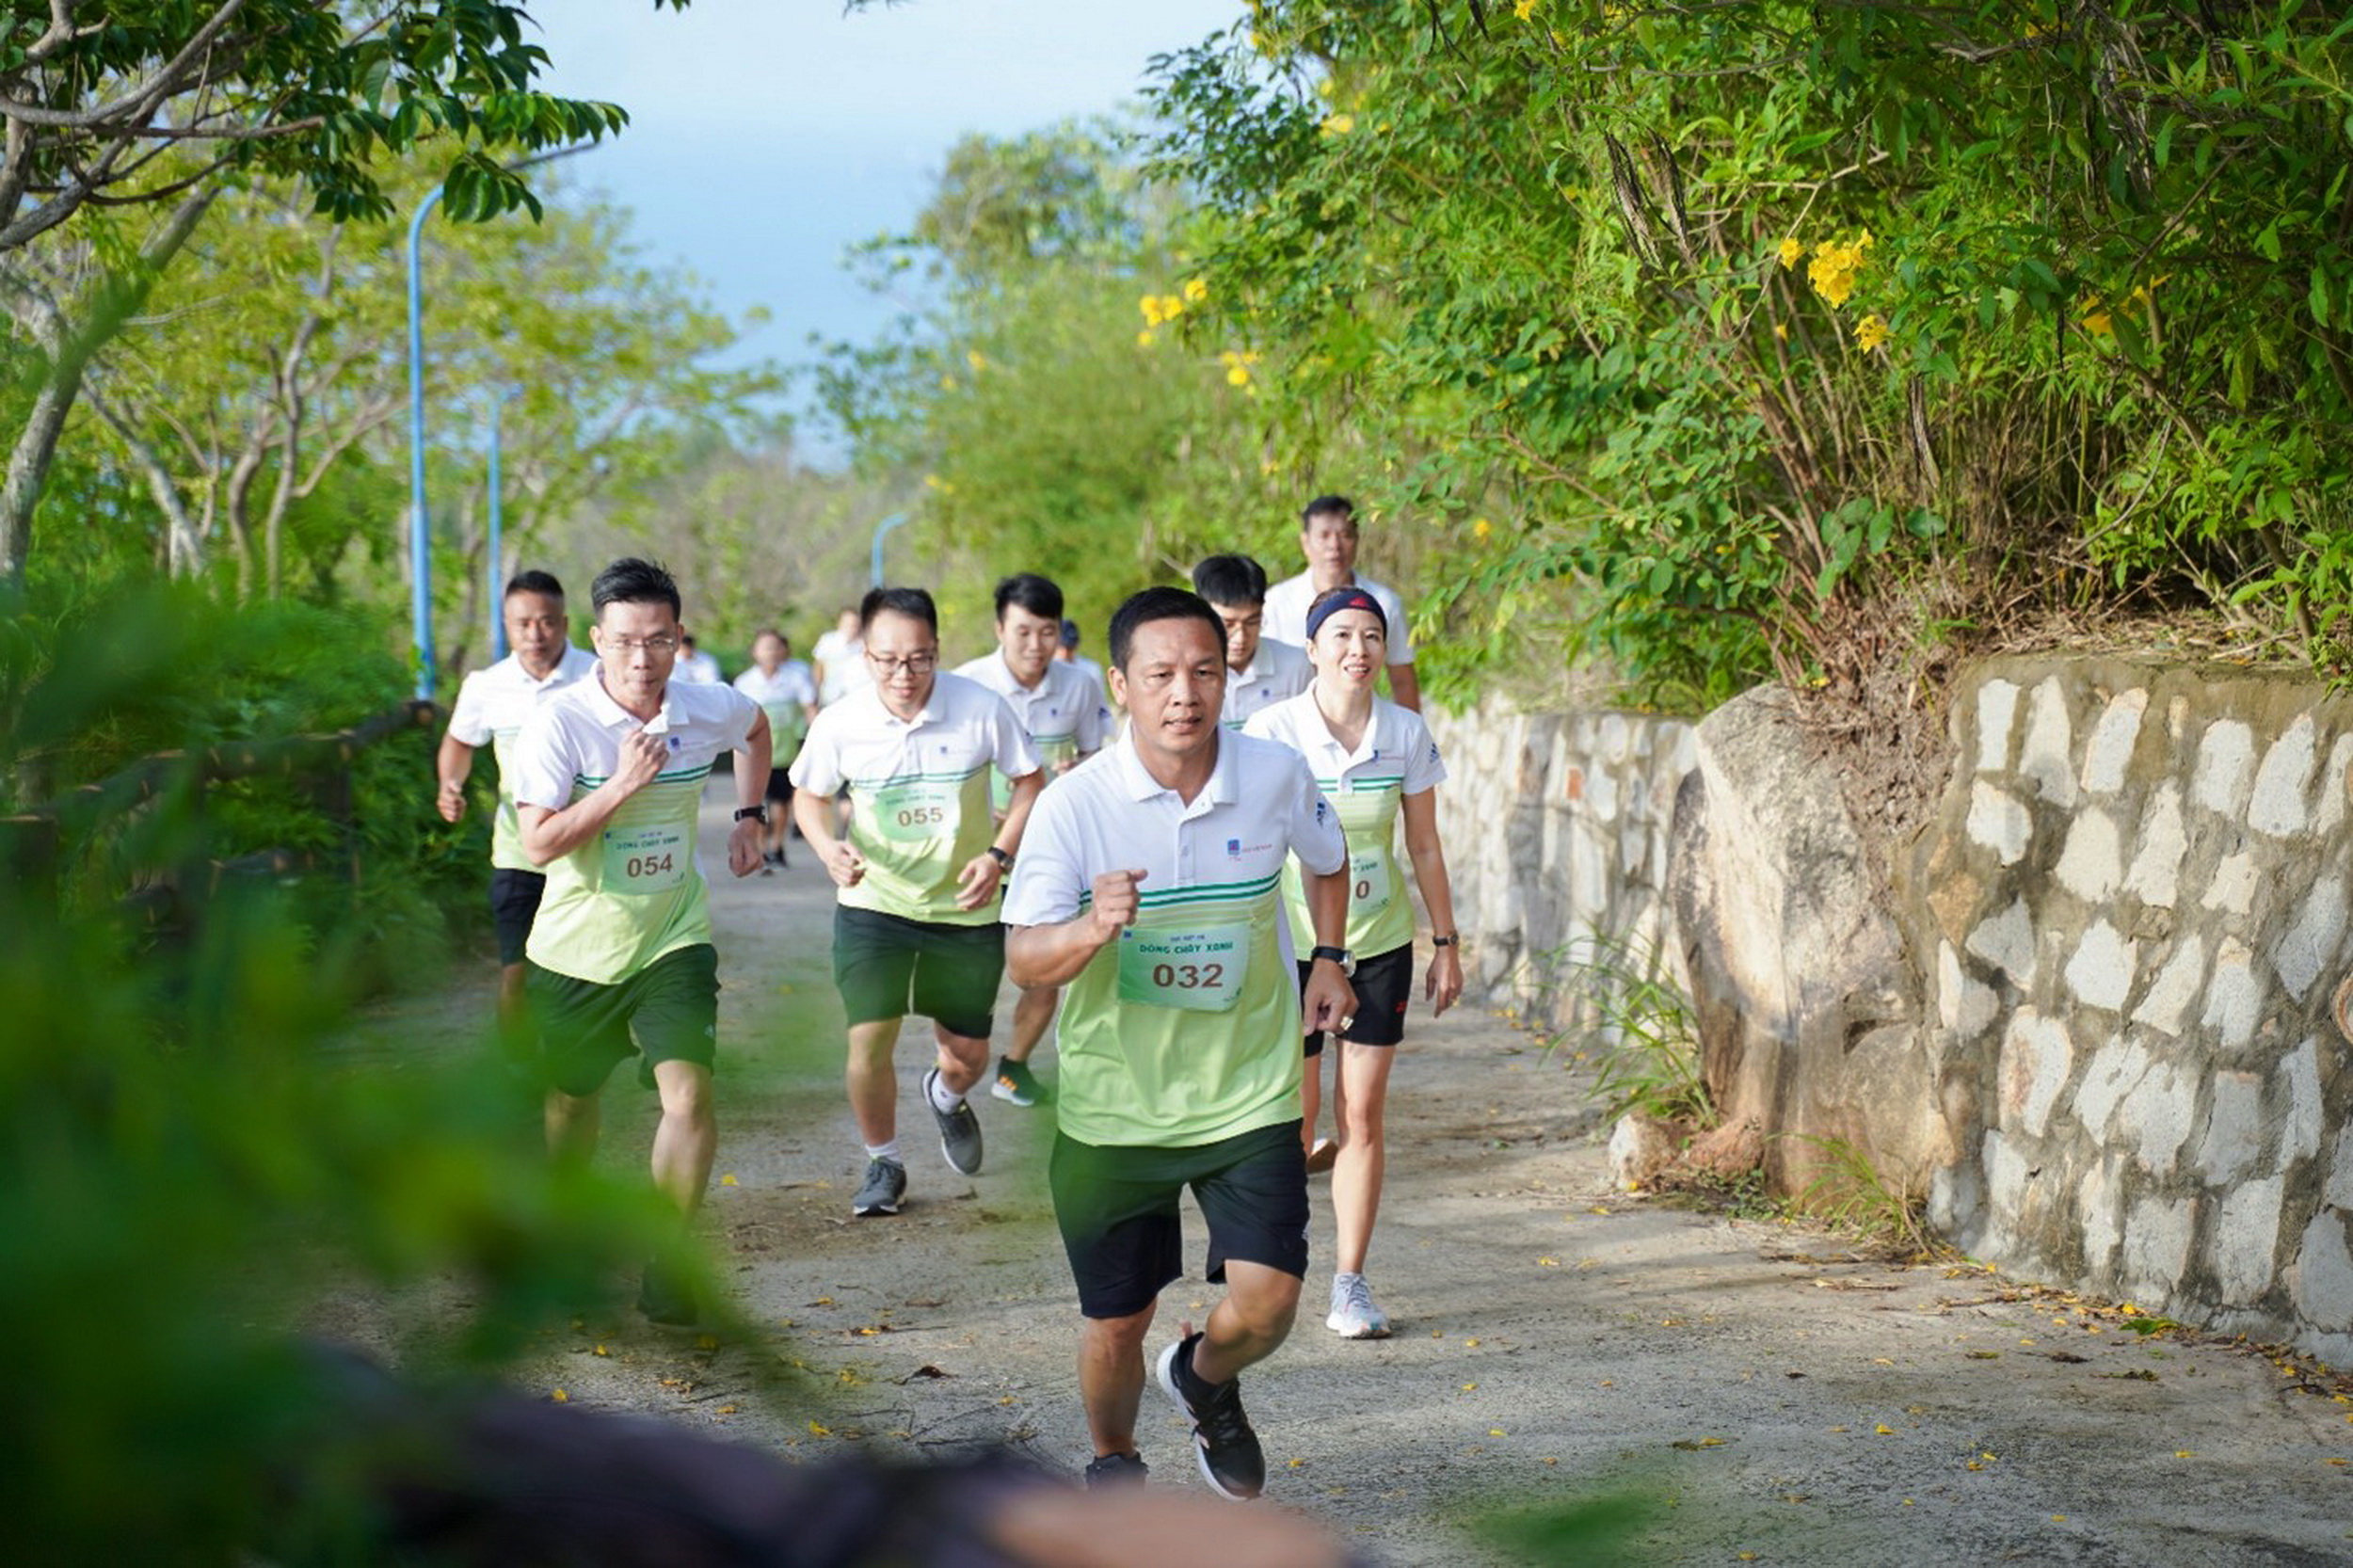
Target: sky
[768, 135]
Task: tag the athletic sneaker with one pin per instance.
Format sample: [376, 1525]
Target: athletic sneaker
[1226, 1448]
[1321, 1159]
[885, 1183]
[1354, 1313]
[959, 1132]
[666, 1296]
[1107, 1470]
[1014, 1084]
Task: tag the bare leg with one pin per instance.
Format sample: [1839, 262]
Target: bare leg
[688, 1136]
[1032, 1015]
[962, 1060]
[874, 1083]
[1245, 1327]
[1110, 1378]
[1311, 1098]
[572, 1123]
[1360, 1099]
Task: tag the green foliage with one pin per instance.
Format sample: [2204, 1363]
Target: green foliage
[1706, 330]
[1640, 1039]
[1845, 1191]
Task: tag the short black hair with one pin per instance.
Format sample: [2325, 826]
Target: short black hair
[772, 631]
[1329, 505]
[1230, 579]
[1036, 594]
[913, 604]
[1159, 604]
[533, 583]
[1070, 634]
[631, 581]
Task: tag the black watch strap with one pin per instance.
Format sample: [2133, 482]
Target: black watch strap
[1003, 858]
[758, 813]
[1337, 955]
[1453, 941]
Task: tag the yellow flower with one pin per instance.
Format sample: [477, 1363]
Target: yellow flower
[1171, 306]
[1524, 8]
[1870, 333]
[1197, 289]
[1145, 339]
[1150, 305]
[1236, 376]
[946, 383]
[1790, 251]
[1480, 528]
[1833, 269]
[978, 361]
[1338, 124]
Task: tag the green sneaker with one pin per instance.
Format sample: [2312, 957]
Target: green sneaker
[1015, 1086]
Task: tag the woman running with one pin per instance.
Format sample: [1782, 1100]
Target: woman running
[1370, 758]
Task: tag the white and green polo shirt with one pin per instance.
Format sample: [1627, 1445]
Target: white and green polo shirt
[636, 892]
[1276, 672]
[1185, 1029]
[492, 704]
[785, 697]
[918, 790]
[1062, 713]
[1397, 758]
[1289, 601]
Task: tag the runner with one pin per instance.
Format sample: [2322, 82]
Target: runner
[915, 929]
[1061, 711]
[785, 692]
[1149, 888]
[492, 704]
[1259, 673]
[608, 782]
[1369, 757]
[1069, 653]
[696, 668]
[840, 656]
[1327, 537]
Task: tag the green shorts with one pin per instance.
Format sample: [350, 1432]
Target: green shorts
[670, 1007]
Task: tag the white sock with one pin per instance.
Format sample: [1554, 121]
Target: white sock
[941, 1097]
[885, 1151]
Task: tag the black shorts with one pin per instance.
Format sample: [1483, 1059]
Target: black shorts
[889, 967]
[1384, 984]
[514, 904]
[1116, 1207]
[671, 1007]
[779, 786]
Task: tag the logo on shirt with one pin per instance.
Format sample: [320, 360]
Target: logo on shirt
[1324, 810]
[1233, 848]
[675, 743]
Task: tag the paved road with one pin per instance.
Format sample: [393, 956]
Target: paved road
[1749, 1384]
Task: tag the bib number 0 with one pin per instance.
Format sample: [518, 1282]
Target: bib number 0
[919, 812]
[1194, 971]
[1369, 883]
[641, 860]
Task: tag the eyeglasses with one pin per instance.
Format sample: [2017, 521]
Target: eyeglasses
[914, 663]
[651, 644]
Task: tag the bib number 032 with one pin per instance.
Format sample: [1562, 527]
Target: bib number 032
[1194, 971]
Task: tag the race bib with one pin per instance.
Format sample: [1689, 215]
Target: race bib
[649, 859]
[919, 811]
[1195, 972]
[1368, 882]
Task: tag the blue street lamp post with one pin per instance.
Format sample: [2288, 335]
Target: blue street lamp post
[420, 535]
[498, 548]
[881, 530]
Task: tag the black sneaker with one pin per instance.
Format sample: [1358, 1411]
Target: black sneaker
[1116, 1470]
[885, 1185]
[666, 1296]
[1231, 1461]
[959, 1130]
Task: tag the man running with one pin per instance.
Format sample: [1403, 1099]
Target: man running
[915, 929]
[1063, 712]
[492, 704]
[841, 659]
[608, 782]
[1150, 886]
[782, 686]
[1259, 672]
[696, 667]
[1327, 537]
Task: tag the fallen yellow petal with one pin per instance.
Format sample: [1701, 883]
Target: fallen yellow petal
[1468, 1386]
[1885, 1430]
[726, 1410]
[1548, 1263]
[1472, 1343]
[817, 1430]
[1499, 1431]
[560, 1397]
[2182, 1453]
[601, 1350]
[728, 1180]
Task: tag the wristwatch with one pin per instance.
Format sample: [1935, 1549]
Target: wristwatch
[1345, 959]
[1004, 861]
[754, 813]
[1453, 940]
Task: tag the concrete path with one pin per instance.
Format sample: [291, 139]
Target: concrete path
[1757, 1393]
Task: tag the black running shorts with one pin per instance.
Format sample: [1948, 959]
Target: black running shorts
[514, 905]
[1384, 984]
[889, 967]
[779, 787]
[670, 1007]
[1116, 1207]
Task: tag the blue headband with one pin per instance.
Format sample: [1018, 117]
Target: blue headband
[1344, 599]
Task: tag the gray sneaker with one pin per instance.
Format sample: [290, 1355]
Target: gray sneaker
[1354, 1313]
[885, 1183]
[959, 1130]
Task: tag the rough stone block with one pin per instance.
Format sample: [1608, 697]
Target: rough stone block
[2176, 987]
[2044, 758]
[2301, 1128]
[2157, 1244]
[2005, 1177]
[2322, 1278]
[2311, 941]
[2276, 807]
[1641, 1148]
[2231, 889]
[1999, 822]
[2100, 1215]
[1601, 795]
[1997, 709]
[2092, 863]
[2234, 1127]
[2156, 1115]
[2225, 755]
[2109, 752]
[2006, 941]
[2101, 973]
[2338, 1193]
[2116, 1070]
[1616, 743]
[2037, 1056]
[2336, 780]
[2157, 864]
[2235, 997]
[2246, 1241]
